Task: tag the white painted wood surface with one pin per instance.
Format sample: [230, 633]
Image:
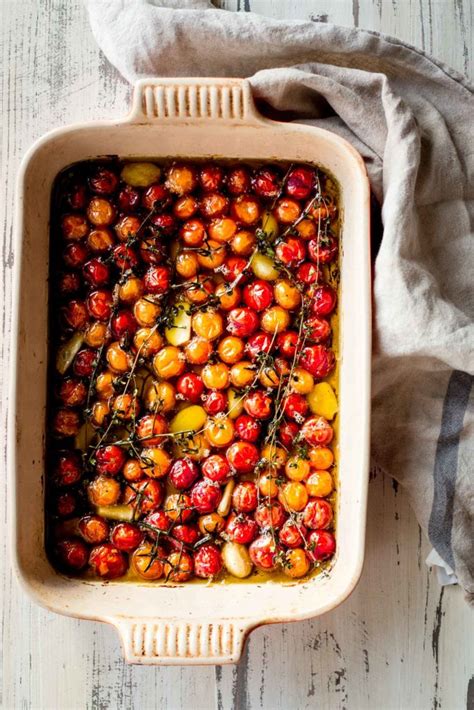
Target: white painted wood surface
[399, 641]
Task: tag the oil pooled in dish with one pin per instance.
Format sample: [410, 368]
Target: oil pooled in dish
[192, 429]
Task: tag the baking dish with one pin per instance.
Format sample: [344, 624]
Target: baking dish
[189, 118]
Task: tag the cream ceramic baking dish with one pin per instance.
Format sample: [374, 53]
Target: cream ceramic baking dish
[191, 118]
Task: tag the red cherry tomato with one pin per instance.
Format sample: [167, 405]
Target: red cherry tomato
[321, 545]
[258, 404]
[110, 460]
[84, 363]
[258, 295]
[107, 561]
[125, 257]
[163, 224]
[183, 473]
[75, 255]
[99, 304]
[238, 181]
[65, 505]
[159, 521]
[241, 528]
[150, 429]
[156, 197]
[317, 431]
[308, 273]
[323, 300]
[317, 329]
[245, 497]
[128, 199]
[242, 456]
[287, 343]
[242, 322]
[72, 553]
[147, 495]
[207, 561]
[234, 268]
[103, 181]
[295, 406]
[291, 252]
[317, 514]
[263, 553]
[157, 279]
[67, 469]
[300, 182]
[290, 534]
[318, 360]
[247, 428]
[190, 386]
[259, 342]
[215, 402]
[266, 182]
[95, 272]
[270, 515]
[205, 496]
[287, 433]
[187, 534]
[75, 314]
[211, 178]
[126, 537]
[216, 468]
[323, 250]
[123, 324]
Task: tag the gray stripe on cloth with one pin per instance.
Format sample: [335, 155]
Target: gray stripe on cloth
[446, 463]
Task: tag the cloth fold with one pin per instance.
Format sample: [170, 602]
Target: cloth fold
[411, 118]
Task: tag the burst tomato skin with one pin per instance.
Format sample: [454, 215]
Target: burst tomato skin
[126, 537]
[247, 428]
[321, 545]
[128, 199]
[190, 386]
[242, 322]
[157, 279]
[317, 514]
[205, 496]
[290, 534]
[245, 497]
[317, 431]
[187, 534]
[123, 324]
[207, 561]
[215, 403]
[301, 181]
[241, 528]
[291, 252]
[103, 181]
[287, 343]
[257, 343]
[96, 272]
[318, 329]
[110, 460]
[318, 360]
[183, 473]
[68, 469]
[295, 406]
[270, 515]
[258, 294]
[216, 468]
[242, 456]
[158, 520]
[323, 301]
[258, 404]
[287, 433]
[263, 553]
[266, 182]
[84, 363]
[323, 251]
[107, 561]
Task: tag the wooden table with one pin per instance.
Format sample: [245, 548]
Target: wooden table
[400, 641]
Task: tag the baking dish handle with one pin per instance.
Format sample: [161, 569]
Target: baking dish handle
[193, 101]
[174, 642]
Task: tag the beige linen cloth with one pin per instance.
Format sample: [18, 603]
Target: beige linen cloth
[412, 120]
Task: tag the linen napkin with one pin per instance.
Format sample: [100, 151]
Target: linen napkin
[411, 118]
